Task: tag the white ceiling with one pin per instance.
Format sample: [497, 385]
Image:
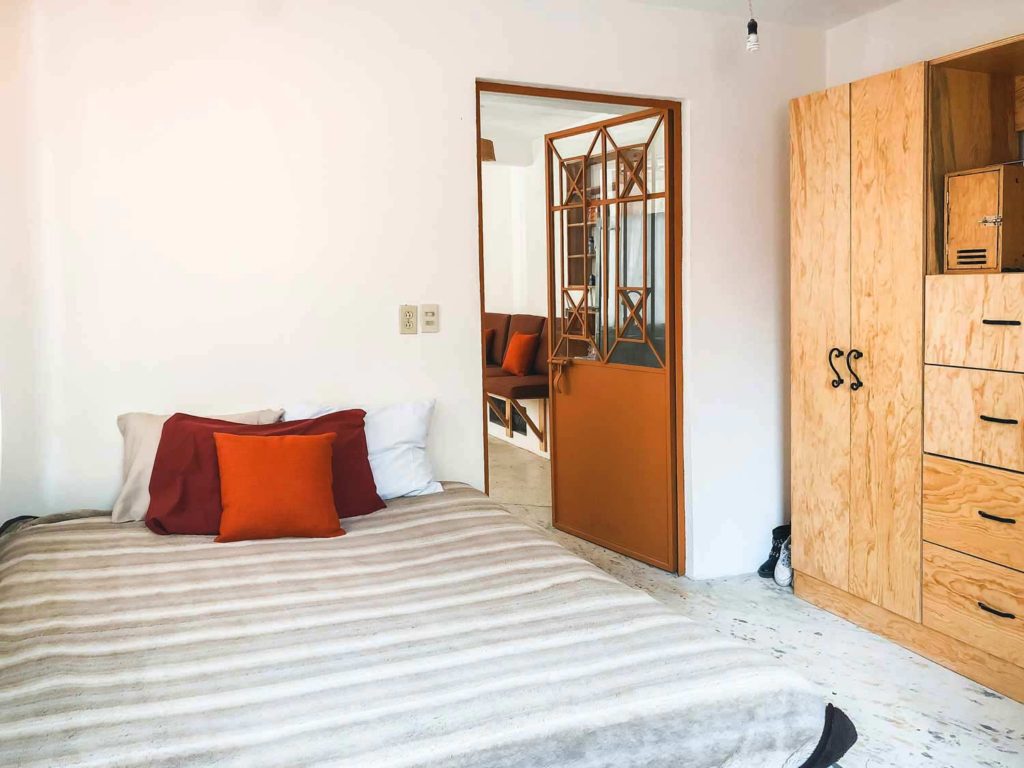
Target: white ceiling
[809, 13]
[533, 117]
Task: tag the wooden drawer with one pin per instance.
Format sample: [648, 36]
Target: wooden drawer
[975, 509]
[955, 589]
[975, 321]
[974, 415]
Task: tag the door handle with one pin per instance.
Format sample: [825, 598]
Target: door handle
[1000, 322]
[995, 612]
[856, 354]
[560, 364]
[996, 518]
[834, 354]
[997, 420]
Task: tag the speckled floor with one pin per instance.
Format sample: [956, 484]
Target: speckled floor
[909, 712]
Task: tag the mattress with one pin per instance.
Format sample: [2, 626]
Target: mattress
[438, 632]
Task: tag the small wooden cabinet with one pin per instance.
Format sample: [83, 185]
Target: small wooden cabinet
[985, 219]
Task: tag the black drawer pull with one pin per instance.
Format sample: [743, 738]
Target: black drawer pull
[997, 420]
[987, 516]
[1000, 322]
[994, 612]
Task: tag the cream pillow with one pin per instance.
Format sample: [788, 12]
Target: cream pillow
[141, 433]
[396, 440]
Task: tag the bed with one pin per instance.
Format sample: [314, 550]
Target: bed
[440, 631]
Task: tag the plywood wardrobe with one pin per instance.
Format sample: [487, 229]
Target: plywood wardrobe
[863, 223]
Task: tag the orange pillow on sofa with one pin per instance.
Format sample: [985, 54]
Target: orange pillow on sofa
[522, 348]
[273, 487]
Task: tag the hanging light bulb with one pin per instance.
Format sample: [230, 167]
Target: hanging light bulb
[752, 41]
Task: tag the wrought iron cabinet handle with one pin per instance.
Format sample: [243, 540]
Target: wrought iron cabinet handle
[834, 354]
[855, 354]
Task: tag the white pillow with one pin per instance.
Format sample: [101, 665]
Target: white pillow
[141, 433]
[396, 440]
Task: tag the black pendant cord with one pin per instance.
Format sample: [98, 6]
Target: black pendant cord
[835, 354]
[854, 354]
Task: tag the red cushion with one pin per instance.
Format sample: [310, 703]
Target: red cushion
[522, 348]
[273, 487]
[185, 486]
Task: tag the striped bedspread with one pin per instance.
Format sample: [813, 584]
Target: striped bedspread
[438, 632]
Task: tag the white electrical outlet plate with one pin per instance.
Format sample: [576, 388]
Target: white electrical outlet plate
[407, 318]
[430, 318]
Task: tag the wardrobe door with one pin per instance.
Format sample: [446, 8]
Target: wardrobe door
[887, 283]
[819, 127]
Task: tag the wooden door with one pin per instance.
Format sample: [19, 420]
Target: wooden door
[972, 239]
[612, 408]
[819, 127]
[887, 268]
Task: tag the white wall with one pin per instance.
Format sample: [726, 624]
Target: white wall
[916, 30]
[232, 198]
[20, 457]
[501, 236]
[515, 236]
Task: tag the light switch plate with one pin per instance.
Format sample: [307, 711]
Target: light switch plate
[407, 318]
[430, 318]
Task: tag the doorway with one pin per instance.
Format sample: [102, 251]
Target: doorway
[580, 251]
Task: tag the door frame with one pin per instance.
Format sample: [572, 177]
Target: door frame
[674, 148]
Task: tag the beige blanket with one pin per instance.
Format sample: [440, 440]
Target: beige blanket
[438, 632]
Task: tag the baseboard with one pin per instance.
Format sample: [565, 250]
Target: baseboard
[982, 667]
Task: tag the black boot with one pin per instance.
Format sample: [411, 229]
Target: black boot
[779, 535]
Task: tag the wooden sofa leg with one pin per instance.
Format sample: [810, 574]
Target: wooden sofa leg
[499, 412]
[539, 432]
[542, 422]
[508, 418]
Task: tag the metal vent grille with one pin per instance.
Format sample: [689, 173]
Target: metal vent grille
[971, 257]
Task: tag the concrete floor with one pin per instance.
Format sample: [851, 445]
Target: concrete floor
[910, 712]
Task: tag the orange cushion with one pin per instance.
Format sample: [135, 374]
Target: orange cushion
[522, 348]
[273, 487]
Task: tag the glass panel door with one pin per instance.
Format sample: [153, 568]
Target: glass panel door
[612, 387]
[610, 237]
